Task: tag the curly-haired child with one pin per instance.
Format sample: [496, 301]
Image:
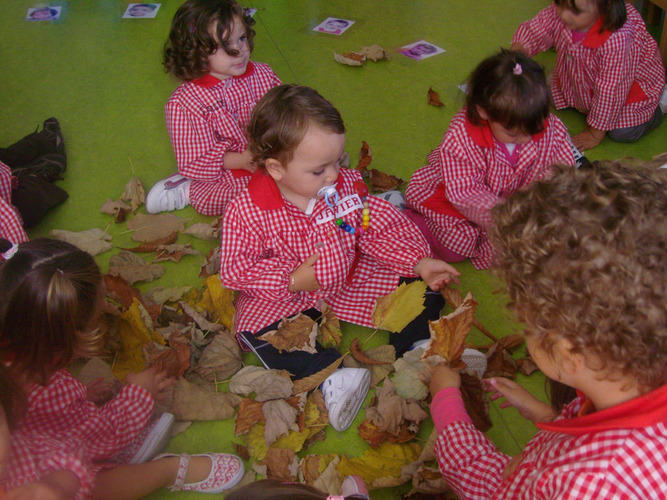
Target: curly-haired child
[502, 140]
[607, 66]
[209, 49]
[583, 257]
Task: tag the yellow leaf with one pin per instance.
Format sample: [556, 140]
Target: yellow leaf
[393, 312]
[222, 302]
[330, 332]
[381, 465]
[293, 440]
[134, 334]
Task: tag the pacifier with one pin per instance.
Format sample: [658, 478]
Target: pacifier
[330, 195]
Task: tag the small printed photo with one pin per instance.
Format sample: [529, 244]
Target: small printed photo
[249, 12]
[141, 10]
[421, 50]
[43, 14]
[333, 26]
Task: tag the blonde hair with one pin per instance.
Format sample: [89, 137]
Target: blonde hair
[583, 256]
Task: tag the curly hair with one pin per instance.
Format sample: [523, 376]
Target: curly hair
[583, 256]
[50, 292]
[281, 118]
[512, 89]
[191, 38]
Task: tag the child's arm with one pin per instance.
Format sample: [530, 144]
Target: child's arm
[11, 225]
[536, 35]
[436, 273]
[515, 395]
[468, 461]
[57, 485]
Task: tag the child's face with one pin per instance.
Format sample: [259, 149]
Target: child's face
[582, 19]
[220, 64]
[140, 11]
[508, 136]
[41, 14]
[315, 164]
[335, 25]
[542, 359]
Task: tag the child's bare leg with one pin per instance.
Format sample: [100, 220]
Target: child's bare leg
[136, 481]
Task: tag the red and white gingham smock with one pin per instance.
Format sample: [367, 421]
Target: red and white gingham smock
[11, 224]
[616, 78]
[61, 430]
[615, 454]
[469, 173]
[265, 237]
[206, 118]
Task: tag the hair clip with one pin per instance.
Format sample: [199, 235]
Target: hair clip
[11, 252]
[193, 27]
[517, 70]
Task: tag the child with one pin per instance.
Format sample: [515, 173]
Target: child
[607, 66]
[61, 433]
[289, 250]
[28, 169]
[583, 256]
[353, 487]
[209, 48]
[502, 140]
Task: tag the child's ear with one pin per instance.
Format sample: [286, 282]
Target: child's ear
[482, 114]
[275, 169]
[571, 362]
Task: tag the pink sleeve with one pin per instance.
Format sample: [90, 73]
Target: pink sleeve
[447, 407]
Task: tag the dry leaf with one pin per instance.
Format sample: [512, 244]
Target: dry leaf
[206, 325]
[433, 98]
[329, 330]
[280, 419]
[152, 227]
[152, 246]
[281, 464]
[134, 193]
[241, 451]
[243, 382]
[174, 252]
[133, 268]
[248, 414]
[407, 379]
[297, 333]
[222, 308]
[159, 295]
[94, 241]
[359, 355]
[193, 402]
[381, 182]
[429, 480]
[375, 53]
[330, 481]
[117, 208]
[382, 466]
[220, 359]
[527, 366]
[370, 433]
[274, 384]
[393, 312]
[449, 332]
[350, 59]
[314, 380]
[385, 353]
[365, 157]
[212, 264]
[475, 400]
[454, 299]
[204, 231]
[500, 363]
[174, 359]
[391, 409]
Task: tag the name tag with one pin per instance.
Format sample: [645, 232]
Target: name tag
[344, 207]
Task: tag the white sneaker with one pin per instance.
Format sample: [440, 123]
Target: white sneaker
[344, 392]
[475, 361]
[172, 193]
[149, 442]
[394, 197]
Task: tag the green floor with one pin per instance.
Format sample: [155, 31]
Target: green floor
[101, 76]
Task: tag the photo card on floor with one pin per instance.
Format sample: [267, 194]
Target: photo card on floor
[333, 26]
[421, 50]
[50, 13]
[141, 10]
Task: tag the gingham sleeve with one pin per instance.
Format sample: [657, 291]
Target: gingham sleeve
[537, 34]
[612, 84]
[242, 265]
[469, 462]
[11, 224]
[199, 152]
[392, 239]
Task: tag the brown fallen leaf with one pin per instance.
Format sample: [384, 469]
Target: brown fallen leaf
[248, 413]
[193, 402]
[174, 359]
[314, 380]
[433, 98]
[282, 464]
[94, 241]
[152, 246]
[359, 355]
[476, 402]
[200, 319]
[152, 227]
[241, 451]
[350, 58]
[280, 418]
[297, 333]
[385, 353]
[390, 410]
[174, 252]
[381, 182]
[330, 481]
[449, 332]
[375, 53]
[212, 264]
[454, 299]
[220, 359]
[429, 480]
[372, 434]
[134, 193]
[329, 331]
[204, 231]
[118, 209]
[133, 268]
[365, 158]
[500, 363]
[408, 378]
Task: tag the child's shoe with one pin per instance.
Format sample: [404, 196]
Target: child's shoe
[354, 485]
[149, 442]
[51, 130]
[394, 197]
[579, 159]
[49, 167]
[172, 193]
[226, 472]
[344, 392]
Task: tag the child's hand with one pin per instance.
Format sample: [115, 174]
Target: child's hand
[99, 391]
[515, 395]
[517, 47]
[444, 377]
[436, 273]
[304, 277]
[234, 161]
[151, 379]
[57, 485]
[588, 139]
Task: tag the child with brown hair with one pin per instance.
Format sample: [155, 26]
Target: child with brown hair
[209, 49]
[50, 296]
[583, 257]
[607, 66]
[306, 233]
[501, 141]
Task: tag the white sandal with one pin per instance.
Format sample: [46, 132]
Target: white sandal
[226, 472]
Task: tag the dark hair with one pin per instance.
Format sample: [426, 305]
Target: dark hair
[281, 119]
[190, 41]
[583, 257]
[513, 100]
[12, 398]
[50, 292]
[273, 489]
[613, 12]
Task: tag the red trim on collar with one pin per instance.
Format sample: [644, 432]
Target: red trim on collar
[596, 36]
[644, 411]
[483, 137]
[207, 80]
